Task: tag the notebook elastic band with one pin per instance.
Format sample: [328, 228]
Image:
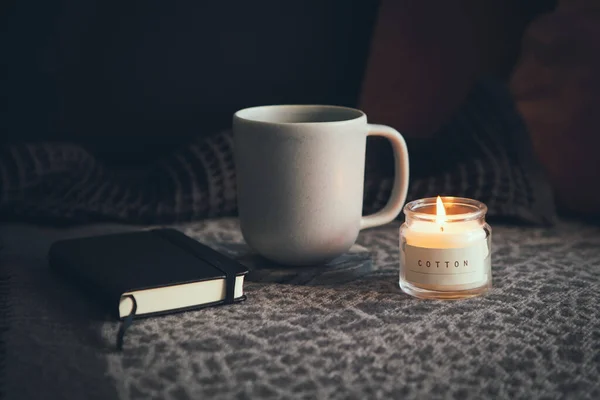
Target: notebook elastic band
[205, 253]
[126, 323]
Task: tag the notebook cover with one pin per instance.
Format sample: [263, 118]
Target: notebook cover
[108, 266]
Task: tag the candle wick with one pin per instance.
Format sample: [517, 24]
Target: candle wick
[442, 228]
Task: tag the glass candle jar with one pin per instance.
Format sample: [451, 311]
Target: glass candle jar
[445, 249]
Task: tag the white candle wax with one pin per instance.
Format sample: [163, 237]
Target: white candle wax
[446, 236]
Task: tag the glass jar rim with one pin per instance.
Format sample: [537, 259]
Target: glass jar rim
[476, 209]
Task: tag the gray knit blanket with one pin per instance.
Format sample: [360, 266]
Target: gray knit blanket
[534, 336]
[483, 153]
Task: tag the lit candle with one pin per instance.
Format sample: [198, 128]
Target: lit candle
[445, 248]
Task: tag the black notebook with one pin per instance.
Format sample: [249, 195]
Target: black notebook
[150, 272]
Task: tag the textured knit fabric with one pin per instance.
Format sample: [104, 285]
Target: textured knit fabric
[483, 153]
[534, 336]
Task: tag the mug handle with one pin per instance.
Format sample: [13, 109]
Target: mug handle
[400, 189]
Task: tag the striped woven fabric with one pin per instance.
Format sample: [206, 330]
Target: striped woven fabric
[483, 153]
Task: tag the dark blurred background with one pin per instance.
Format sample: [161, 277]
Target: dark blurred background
[131, 80]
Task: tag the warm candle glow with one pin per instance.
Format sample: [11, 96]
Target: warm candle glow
[440, 213]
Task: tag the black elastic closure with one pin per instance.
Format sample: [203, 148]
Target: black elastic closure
[230, 287]
[207, 254]
[126, 322]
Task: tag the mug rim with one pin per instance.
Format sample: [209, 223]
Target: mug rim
[355, 113]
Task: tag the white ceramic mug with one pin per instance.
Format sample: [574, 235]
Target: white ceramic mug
[300, 177]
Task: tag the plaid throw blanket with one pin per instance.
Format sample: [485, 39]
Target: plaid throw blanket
[482, 153]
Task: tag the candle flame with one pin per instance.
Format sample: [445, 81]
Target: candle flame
[440, 213]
